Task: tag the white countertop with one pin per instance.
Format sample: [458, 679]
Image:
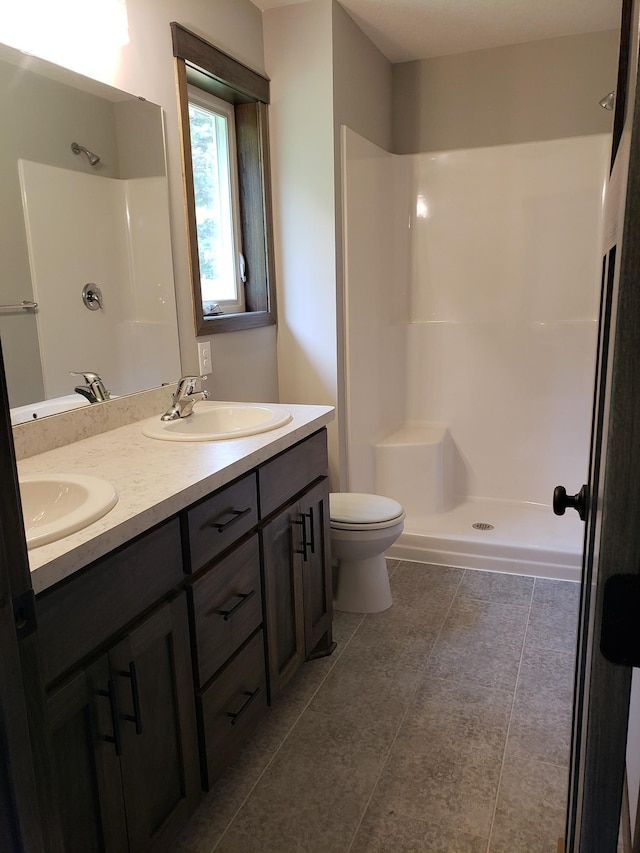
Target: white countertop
[154, 479]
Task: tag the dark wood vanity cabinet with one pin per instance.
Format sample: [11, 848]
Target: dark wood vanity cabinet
[124, 742]
[227, 626]
[120, 698]
[296, 559]
[161, 657]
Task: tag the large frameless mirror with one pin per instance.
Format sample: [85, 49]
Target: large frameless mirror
[86, 273]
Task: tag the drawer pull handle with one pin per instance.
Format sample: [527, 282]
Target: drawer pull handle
[227, 612]
[110, 693]
[135, 697]
[236, 515]
[235, 716]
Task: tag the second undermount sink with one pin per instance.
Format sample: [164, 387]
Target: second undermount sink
[56, 505]
[211, 421]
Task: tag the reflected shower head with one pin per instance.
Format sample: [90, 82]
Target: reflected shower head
[91, 157]
[608, 101]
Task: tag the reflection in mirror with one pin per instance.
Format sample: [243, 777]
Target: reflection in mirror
[84, 234]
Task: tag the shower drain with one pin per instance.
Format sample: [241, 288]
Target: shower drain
[482, 525]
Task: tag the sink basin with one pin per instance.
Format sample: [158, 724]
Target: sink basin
[55, 505]
[217, 421]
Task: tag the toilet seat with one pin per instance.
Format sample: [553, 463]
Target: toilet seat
[357, 511]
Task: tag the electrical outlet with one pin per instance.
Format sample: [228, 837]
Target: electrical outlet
[204, 358]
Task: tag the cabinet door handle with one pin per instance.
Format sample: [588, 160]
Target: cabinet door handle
[235, 715]
[303, 523]
[110, 693]
[135, 698]
[227, 612]
[236, 515]
[312, 538]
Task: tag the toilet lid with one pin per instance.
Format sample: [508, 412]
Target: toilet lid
[357, 508]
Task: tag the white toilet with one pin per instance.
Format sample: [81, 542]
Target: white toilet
[362, 528]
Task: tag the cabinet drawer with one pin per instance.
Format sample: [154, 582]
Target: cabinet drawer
[227, 607]
[76, 617]
[219, 520]
[230, 708]
[291, 472]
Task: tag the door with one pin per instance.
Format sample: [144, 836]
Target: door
[85, 740]
[316, 571]
[282, 540]
[151, 669]
[611, 505]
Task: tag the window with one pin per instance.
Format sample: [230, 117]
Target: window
[223, 111]
[215, 190]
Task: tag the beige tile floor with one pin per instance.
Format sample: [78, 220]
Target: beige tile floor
[440, 725]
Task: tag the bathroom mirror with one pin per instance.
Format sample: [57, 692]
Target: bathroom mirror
[84, 234]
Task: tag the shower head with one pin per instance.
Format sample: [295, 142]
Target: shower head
[608, 101]
[91, 157]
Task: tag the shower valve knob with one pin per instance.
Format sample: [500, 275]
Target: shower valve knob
[561, 500]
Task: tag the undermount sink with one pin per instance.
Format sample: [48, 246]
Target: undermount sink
[55, 505]
[211, 421]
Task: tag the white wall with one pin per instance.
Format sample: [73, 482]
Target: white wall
[145, 67]
[324, 72]
[298, 57]
[502, 306]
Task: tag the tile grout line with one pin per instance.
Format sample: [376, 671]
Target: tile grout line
[404, 716]
[285, 738]
[513, 702]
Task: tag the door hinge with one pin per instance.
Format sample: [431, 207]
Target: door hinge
[620, 634]
[24, 614]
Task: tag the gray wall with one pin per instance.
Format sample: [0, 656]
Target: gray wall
[520, 93]
[362, 82]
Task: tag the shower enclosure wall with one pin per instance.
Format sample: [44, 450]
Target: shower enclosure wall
[471, 301]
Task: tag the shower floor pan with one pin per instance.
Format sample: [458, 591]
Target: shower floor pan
[516, 537]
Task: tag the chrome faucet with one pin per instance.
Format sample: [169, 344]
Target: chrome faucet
[185, 398]
[94, 390]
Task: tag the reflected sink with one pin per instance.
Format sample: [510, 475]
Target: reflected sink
[55, 505]
[211, 421]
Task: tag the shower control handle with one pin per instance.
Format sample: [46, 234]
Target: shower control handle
[561, 500]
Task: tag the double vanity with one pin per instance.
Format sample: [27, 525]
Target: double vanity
[169, 624]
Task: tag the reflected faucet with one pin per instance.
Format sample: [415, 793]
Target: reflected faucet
[185, 398]
[94, 390]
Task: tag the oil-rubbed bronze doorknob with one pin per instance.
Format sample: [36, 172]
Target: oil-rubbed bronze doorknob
[561, 500]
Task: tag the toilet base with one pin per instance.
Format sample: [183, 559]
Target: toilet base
[363, 586]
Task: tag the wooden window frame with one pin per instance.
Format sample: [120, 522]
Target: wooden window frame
[201, 64]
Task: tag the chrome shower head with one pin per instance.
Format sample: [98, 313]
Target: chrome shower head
[91, 157]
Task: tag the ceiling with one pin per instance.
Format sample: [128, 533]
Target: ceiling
[405, 30]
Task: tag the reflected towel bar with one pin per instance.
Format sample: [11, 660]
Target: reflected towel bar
[25, 305]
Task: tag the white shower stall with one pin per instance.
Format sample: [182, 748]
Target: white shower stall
[85, 228]
[471, 295]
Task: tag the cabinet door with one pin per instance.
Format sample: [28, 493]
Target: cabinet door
[152, 671]
[282, 555]
[83, 726]
[316, 571]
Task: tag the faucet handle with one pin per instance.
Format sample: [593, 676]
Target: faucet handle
[88, 376]
[94, 384]
[187, 385]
